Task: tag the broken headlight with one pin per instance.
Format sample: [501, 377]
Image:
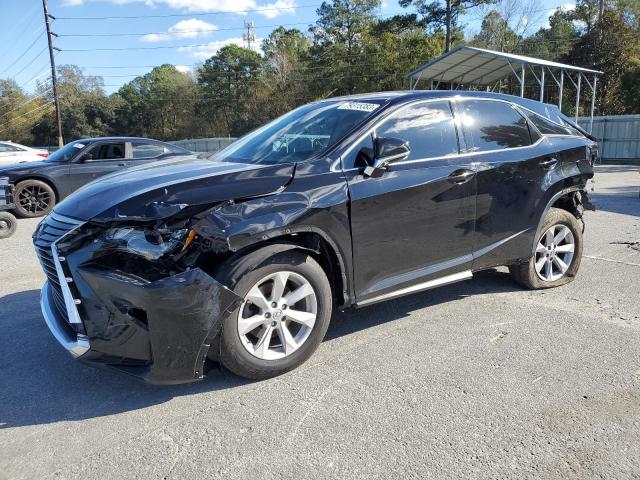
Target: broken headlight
[146, 242]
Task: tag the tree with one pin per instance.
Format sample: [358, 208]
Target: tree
[613, 48]
[495, 34]
[160, 104]
[19, 112]
[338, 38]
[85, 109]
[227, 81]
[557, 40]
[438, 14]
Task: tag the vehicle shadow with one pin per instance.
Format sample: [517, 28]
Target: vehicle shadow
[622, 199]
[42, 384]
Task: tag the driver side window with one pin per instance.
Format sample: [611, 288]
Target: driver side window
[106, 151]
[427, 126]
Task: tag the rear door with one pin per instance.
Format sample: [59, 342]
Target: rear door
[512, 161]
[99, 159]
[415, 223]
[146, 152]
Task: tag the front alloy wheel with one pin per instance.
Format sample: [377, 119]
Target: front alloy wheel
[277, 315]
[284, 315]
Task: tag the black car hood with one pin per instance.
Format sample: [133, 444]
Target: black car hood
[17, 167]
[162, 188]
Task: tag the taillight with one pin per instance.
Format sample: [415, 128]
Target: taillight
[43, 155]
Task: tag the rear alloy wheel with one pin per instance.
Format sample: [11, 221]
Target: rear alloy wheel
[33, 198]
[7, 224]
[556, 259]
[283, 317]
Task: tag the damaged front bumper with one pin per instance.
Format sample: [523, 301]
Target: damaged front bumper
[158, 330]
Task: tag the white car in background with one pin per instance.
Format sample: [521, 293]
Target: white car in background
[15, 153]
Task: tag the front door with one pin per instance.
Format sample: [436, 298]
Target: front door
[414, 223]
[99, 160]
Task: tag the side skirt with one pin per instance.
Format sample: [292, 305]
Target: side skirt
[456, 277]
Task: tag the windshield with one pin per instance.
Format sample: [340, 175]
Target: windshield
[66, 153]
[303, 133]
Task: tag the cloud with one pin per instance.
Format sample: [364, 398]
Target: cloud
[183, 68]
[268, 10]
[203, 52]
[279, 7]
[191, 28]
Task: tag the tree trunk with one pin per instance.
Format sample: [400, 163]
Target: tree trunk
[448, 26]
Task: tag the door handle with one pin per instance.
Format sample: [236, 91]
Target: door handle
[462, 175]
[548, 163]
[122, 164]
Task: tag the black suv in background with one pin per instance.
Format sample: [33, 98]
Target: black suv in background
[39, 185]
[161, 270]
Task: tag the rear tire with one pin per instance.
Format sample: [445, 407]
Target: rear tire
[8, 224]
[251, 342]
[33, 198]
[546, 268]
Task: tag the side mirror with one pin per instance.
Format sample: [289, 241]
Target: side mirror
[386, 151]
[87, 157]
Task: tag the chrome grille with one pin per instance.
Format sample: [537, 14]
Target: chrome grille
[51, 229]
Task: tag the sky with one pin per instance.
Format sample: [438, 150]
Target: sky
[94, 35]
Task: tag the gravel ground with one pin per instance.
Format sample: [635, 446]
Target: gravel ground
[479, 379]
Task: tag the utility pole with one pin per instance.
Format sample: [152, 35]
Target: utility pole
[54, 81]
[249, 36]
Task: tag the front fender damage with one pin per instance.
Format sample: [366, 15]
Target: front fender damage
[180, 313]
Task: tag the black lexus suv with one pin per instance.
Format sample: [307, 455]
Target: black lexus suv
[163, 270]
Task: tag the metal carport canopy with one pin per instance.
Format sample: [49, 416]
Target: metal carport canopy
[477, 66]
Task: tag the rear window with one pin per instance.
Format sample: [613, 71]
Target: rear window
[146, 150]
[490, 125]
[547, 127]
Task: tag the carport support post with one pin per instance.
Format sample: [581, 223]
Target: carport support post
[522, 80]
[578, 95]
[561, 87]
[542, 84]
[593, 102]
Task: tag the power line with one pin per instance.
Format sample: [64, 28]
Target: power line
[178, 32]
[193, 14]
[31, 62]
[21, 56]
[18, 107]
[8, 125]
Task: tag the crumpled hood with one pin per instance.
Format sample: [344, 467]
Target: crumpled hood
[167, 186]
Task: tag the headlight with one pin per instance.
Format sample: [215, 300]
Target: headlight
[148, 243]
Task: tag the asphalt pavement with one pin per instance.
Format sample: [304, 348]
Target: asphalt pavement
[480, 379]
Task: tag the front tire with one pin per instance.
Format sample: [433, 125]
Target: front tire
[557, 255]
[285, 313]
[33, 198]
[7, 225]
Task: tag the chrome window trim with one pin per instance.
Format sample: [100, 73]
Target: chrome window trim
[461, 154]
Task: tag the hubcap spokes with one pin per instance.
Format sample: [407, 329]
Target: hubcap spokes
[554, 253]
[34, 199]
[277, 315]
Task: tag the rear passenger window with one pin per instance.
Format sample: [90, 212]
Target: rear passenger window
[146, 150]
[428, 127]
[546, 126]
[490, 125]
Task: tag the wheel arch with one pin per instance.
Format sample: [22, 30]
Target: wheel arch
[310, 240]
[572, 199]
[40, 178]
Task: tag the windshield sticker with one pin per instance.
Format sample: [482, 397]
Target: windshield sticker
[78, 145]
[360, 106]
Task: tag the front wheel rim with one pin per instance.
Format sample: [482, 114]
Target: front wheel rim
[277, 315]
[34, 199]
[554, 253]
